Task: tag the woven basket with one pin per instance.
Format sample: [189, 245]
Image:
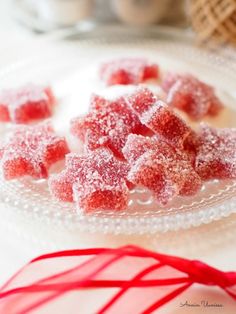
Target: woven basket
[214, 20]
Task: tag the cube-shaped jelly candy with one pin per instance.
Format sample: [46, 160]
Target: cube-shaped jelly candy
[108, 126]
[159, 117]
[191, 95]
[95, 181]
[26, 104]
[31, 150]
[128, 71]
[216, 155]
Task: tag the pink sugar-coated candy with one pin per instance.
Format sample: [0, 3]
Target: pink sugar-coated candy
[4, 113]
[137, 145]
[128, 71]
[61, 185]
[164, 122]
[26, 104]
[95, 181]
[141, 100]
[169, 80]
[216, 155]
[191, 95]
[145, 154]
[150, 173]
[98, 102]
[164, 179]
[1, 150]
[109, 126]
[191, 144]
[157, 116]
[31, 150]
[101, 196]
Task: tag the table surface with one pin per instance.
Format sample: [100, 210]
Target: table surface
[214, 243]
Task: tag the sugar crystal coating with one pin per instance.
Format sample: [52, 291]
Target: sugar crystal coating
[1, 151]
[216, 154]
[164, 122]
[25, 104]
[4, 113]
[31, 150]
[141, 100]
[95, 181]
[137, 145]
[108, 126]
[190, 146]
[157, 116]
[128, 71]
[61, 185]
[160, 167]
[169, 80]
[98, 102]
[150, 173]
[191, 95]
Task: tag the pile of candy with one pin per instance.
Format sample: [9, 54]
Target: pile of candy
[134, 139]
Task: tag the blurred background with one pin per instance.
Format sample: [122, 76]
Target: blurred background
[210, 20]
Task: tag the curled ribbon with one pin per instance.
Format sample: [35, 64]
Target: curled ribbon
[143, 280]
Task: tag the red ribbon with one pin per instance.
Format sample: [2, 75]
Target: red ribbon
[131, 270]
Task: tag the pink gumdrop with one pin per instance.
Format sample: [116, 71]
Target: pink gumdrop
[26, 104]
[136, 146]
[193, 96]
[109, 126]
[169, 80]
[61, 185]
[174, 164]
[157, 116]
[141, 100]
[128, 71]
[98, 102]
[95, 181]
[150, 173]
[216, 154]
[191, 144]
[31, 150]
[4, 113]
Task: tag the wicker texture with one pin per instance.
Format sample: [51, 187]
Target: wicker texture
[214, 20]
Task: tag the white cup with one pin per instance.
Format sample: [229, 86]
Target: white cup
[140, 12]
[64, 12]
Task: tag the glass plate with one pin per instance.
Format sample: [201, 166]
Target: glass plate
[70, 67]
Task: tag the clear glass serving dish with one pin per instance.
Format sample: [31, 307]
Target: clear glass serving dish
[70, 66]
